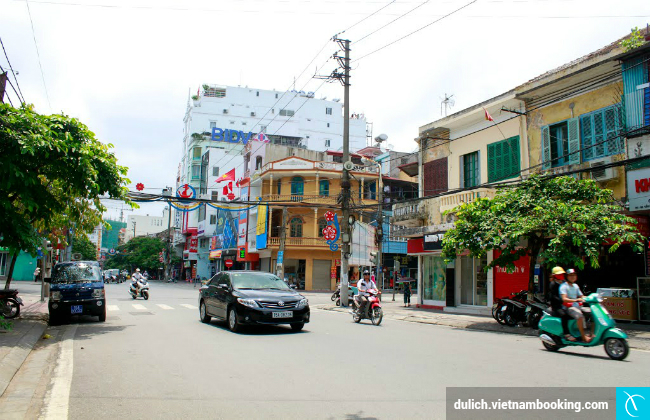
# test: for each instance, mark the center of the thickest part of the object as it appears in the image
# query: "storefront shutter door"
(546, 148)
(574, 141)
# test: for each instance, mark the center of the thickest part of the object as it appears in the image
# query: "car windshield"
(76, 273)
(257, 281)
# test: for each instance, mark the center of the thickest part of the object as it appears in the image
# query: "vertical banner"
(243, 220)
(262, 214)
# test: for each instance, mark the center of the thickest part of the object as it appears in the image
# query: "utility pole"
(344, 78)
(168, 257)
(380, 229)
(283, 238)
(3, 86)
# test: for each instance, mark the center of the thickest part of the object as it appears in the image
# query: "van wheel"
(54, 320)
(102, 316)
(298, 326)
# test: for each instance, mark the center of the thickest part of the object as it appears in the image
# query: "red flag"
(228, 176)
(488, 116)
(225, 190)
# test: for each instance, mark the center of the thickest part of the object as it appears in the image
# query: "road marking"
(57, 399)
(163, 306)
(112, 307)
(185, 305)
(140, 307)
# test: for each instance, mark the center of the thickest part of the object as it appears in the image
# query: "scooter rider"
(557, 307)
(364, 286)
(571, 295)
(137, 278)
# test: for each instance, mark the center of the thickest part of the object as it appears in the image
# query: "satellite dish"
(389, 147)
(348, 165)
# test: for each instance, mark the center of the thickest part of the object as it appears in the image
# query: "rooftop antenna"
(447, 103)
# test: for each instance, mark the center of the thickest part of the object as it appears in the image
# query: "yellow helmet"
(558, 270)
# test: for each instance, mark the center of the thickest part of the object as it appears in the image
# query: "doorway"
(473, 281)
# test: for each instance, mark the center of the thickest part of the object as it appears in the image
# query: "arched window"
(258, 162)
(321, 225)
(297, 185)
(324, 187)
(296, 227)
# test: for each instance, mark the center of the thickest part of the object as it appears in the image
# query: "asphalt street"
(155, 359)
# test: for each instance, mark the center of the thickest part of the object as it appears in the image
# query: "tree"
(562, 220)
(53, 173)
(83, 246)
(140, 252)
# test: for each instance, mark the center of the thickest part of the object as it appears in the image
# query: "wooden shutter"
(515, 157)
(435, 176)
(611, 131)
(574, 141)
(492, 162)
(546, 148)
(587, 136)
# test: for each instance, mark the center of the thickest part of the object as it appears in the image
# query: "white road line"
(139, 307)
(185, 305)
(112, 307)
(57, 399)
(163, 306)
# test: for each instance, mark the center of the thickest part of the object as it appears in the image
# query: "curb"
(644, 343)
(12, 362)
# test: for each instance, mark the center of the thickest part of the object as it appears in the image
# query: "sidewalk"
(17, 343)
(639, 335)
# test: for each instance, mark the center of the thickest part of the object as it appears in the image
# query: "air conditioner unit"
(602, 174)
(225, 111)
(252, 114)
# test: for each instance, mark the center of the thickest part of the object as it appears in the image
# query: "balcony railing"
(310, 165)
(308, 199)
(449, 202)
(298, 242)
(409, 213)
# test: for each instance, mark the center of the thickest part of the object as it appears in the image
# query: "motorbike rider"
(136, 278)
(364, 286)
(557, 303)
(571, 295)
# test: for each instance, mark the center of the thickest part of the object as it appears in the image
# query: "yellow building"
(307, 189)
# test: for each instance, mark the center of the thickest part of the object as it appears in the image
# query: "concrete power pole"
(168, 257)
(283, 239)
(345, 179)
(380, 230)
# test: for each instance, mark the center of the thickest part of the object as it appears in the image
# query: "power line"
(12, 72)
(367, 17)
(392, 21)
(38, 54)
(417, 30)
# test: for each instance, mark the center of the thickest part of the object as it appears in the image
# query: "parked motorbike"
(337, 295)
(513, 309)
(10, 303)
(142, 289)
(373, 310)
(535, 311)
(605, 332)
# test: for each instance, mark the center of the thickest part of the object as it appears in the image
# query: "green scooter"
(605, 331)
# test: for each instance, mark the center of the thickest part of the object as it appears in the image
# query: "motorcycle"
(605, 332)
(10, 303)
(373, 310)
(535, 311)
(337, 295)
(512, 310)
(142, 290)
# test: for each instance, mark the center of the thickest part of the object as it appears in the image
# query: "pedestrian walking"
(37, 274)
(407, 293)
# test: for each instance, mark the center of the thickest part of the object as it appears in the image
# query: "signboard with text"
(638, 189)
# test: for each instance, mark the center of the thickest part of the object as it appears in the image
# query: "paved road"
(154, 359)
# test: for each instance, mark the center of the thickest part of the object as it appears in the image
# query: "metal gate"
(320, 278)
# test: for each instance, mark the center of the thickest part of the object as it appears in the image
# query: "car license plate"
(282, 314)
(77, 309)
(503, 308)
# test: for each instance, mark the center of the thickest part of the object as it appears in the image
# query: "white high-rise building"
(218, 123)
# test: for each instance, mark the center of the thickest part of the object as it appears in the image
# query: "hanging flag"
(487, 115)
(228, 176)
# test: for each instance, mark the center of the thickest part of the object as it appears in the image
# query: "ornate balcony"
(411, 214)
(299, 242)
(307, 199)
(448, 202)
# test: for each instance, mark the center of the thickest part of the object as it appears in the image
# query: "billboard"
(262, 226)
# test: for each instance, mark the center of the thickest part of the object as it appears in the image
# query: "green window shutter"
(587, 136)
(515, 157)
(492, 162)
(574, 141)
(546, 148)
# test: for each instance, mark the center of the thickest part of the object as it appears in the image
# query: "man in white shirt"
(571, 295)
(364, 286)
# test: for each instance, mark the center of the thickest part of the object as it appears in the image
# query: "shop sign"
(647, 256)
(433, 241)
(215, 254)
(333, 272)
(261, 231)
(621, 308)
(194, 244)
(201, 228)
(337, 262)
(638, 189)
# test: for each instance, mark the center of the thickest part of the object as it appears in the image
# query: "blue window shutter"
(587, 136)
(546, 148)
(611, 130)
(574, 141)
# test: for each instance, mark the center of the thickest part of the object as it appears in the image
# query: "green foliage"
(53, 172)
(5, 325)
(563, 220)
(206, 87)
(195, 97)
(86, 248)
(634, 41)
(140, 252)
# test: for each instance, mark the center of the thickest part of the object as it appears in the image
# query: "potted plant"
(206, 87)
(195, 98)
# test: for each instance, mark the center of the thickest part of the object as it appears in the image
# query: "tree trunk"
(14, 257)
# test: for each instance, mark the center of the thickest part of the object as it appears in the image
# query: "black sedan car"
(252, 297)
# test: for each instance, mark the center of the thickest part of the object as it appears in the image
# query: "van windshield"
(76, 273)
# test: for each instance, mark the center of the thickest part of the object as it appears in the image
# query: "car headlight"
(303, 302)
(251, 303)
(55, 295)
(98, 293)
